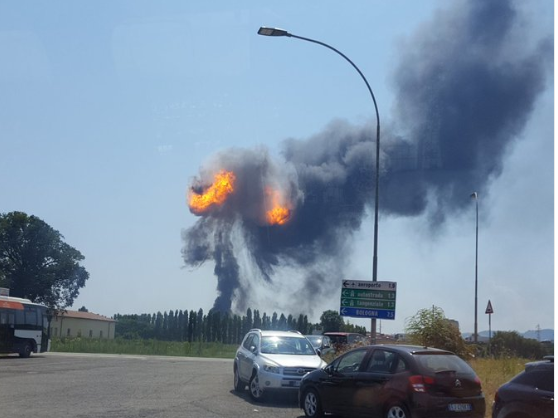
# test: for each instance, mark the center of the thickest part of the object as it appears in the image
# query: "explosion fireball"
(216, 194)
(279, 214)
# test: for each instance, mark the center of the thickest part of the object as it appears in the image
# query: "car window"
(536, 379)
(437, 363)
(350, 362)
(356, 338)
(255, 341)
(248, 341)
(400, 365)
(338, 339)
(381, 361)
(315, 340)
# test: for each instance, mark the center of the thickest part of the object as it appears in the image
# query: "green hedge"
(143, 347)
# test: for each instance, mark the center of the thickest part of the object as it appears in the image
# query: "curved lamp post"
(265, 31)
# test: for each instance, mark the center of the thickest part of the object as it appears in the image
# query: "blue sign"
(367, 313)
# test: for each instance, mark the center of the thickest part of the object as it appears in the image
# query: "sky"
(110, 112)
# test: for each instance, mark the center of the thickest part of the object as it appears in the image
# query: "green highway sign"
(362, 284)
(367, 294)
(366, 303)
(365, 299)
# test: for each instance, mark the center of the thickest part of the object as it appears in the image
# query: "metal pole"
(489, 334)
(377, 180)
(476, 264)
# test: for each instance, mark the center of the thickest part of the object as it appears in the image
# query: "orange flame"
(279, 214)
(216, 194)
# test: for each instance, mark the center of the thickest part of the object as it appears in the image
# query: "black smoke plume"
(465, 88)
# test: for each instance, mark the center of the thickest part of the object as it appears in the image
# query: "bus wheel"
(26, 351)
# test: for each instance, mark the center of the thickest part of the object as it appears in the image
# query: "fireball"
(278, 212)
(215, 195)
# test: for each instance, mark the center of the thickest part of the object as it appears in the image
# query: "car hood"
(290, 360)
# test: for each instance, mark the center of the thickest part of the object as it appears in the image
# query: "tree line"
(430, 327)
(215, 326)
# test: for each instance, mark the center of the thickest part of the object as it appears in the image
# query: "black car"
(320, 342)
(394, 381)
(530, 394)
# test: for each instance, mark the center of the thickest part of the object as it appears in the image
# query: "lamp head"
(265, 31)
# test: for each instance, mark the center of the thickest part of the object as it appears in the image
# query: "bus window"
(31, 316)
(19, 318)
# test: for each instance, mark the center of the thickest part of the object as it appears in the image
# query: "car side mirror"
(319, 352)
(254, 349)
(329, 369)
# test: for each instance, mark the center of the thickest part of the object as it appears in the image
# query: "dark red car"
(341, 340)
(394, 381)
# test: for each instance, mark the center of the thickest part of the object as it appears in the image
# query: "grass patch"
(495, 372)
(143, 347)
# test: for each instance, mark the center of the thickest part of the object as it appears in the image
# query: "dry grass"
(495, 372)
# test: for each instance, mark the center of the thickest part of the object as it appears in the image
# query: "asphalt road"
(119, 386)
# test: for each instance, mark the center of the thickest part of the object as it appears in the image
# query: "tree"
(510, 343)
(282, 324)
(35, 262)
(430, 328)
(83, 309)
(331, 321)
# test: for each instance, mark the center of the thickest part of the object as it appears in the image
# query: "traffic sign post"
(489, 311)
(364, 299)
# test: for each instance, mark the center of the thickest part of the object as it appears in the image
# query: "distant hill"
(545, 334)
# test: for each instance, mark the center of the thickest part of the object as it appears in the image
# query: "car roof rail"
(295, 331)
(549, 358)
(254, 329)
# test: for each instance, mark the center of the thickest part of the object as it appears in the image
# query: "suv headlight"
(271, 369)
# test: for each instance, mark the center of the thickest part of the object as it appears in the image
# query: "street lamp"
(265, 31)
(475, 196)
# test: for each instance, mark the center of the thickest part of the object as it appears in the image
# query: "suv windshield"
(286, 345)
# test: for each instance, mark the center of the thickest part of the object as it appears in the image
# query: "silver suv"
(271, 360)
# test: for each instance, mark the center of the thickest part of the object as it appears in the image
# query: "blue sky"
(109, 110)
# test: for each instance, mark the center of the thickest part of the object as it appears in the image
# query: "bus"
(23, 327)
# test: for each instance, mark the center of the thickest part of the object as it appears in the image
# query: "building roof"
(85, 315)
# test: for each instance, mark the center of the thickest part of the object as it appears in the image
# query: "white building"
(81, 324)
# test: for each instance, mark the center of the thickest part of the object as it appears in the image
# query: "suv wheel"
(256, 391)
(238, 384)
(312, 405)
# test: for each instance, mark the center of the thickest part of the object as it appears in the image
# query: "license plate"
(460, 407)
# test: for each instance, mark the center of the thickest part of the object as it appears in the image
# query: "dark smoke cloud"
(464, 91)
